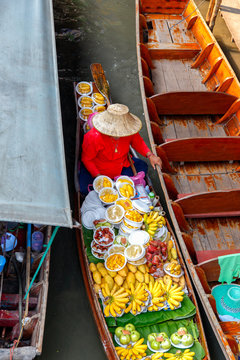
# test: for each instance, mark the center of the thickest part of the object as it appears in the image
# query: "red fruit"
(151, 249)
(148, 256)
(156, 260)
(152, 270)
(154, 243)
(123, 241)
(126, 332)
(160, 338)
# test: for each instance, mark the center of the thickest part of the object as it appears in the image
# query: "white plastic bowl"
(131, 248)
(110, 190)
(133, 223)
(131, 227)
(95, 108)
(111, 214)
(95, 101)
(84, 82)
(140, 206)
(139, 237)
(119, 186)
(116, 249)
(123, 177)
(99, 179)
(81, 98)
(102, 242)
(82, 117)
(118, 269)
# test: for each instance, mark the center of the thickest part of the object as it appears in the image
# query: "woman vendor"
(105, 147)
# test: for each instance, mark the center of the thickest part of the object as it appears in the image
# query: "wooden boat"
(23, 342)
(33, 179)
(84, 236)
(191, 103)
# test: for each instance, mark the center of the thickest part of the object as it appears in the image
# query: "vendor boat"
(191, 104)
(33, 181)
(101, 287)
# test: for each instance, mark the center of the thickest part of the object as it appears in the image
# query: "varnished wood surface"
(209, 70)
(193, 103)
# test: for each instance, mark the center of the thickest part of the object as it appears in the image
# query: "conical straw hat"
(117, 121)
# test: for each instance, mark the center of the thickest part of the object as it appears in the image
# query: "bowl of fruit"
(126, 190)
(127, 335)
(99, 99)
(134, 252)
(124, 179)
(125, 203)
(85, 112)
(99, 108)
(101, 182)
(121, 240)
(85, 101)
(115, 262)
(115, 213)
(104, 236)
(182, 339)
(108, 195)
(158, 342)
(84, 88)
(133, 218)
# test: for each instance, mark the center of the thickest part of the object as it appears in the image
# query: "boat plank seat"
(173, 50)
(211, 204)
(10, 318)
(193, 102)
(206, 255)
(202, 149)
(157, 7)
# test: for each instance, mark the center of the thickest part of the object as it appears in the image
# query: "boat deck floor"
(176, 74)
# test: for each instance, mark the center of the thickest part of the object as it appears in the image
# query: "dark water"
(86, 32)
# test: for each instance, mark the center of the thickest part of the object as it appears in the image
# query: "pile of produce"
(136, 272)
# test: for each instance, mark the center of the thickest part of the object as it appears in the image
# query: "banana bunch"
(115, 300)
(158, 298)
(99, 98)
(137, 351)
(153, 221)
(186, 355)
(138, 295)
(174, 268)
(157, 355)
(86, 101)
(174, 294)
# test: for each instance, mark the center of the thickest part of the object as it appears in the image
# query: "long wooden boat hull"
(105, 336)
(191, 103)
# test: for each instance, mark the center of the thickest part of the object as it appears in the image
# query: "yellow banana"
(106, 310)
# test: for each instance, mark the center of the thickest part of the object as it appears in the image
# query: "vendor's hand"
(155, 160)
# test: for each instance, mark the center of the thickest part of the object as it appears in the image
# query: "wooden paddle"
(100, 81)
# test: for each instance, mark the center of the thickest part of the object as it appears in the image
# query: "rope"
(42, 259)
(12, 349)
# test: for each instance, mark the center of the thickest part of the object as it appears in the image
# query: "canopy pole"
(42, 259)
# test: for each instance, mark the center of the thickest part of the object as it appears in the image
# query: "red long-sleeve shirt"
(102, 154)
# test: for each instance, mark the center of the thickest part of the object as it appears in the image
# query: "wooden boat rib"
(191, 103)
(105, 335)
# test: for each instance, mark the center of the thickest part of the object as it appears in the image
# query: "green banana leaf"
(154, 317)
(88, 236)
(169, 328)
